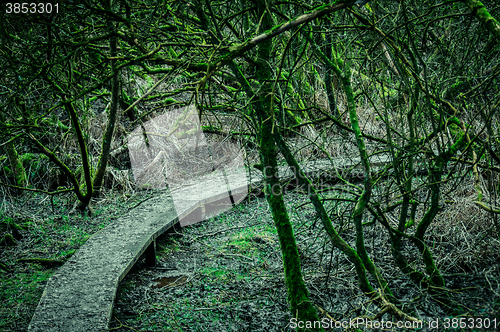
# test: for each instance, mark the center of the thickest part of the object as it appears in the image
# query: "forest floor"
(226, 273)
(48, 231)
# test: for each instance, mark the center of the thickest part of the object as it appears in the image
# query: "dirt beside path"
(226, 274)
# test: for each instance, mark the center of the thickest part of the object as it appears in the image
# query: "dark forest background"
(417, 83)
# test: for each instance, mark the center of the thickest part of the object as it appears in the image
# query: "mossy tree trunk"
(484, 16)
(298, 297)
(16, 165)
(113, 108)
(329, 86)
(335, 238)
(264, 121)
(84, 198)
(343, 73)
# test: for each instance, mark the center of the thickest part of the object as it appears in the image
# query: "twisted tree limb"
(484, 16)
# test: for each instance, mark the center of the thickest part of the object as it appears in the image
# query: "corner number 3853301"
(31, 8)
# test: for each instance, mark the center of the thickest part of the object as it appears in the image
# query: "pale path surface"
(81, 294)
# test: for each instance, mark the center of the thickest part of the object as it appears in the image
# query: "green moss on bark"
(484, 16)
(17, 166)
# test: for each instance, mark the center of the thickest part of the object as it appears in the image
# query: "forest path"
(81, 294)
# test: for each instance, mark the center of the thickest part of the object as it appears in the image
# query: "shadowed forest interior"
(398, 101)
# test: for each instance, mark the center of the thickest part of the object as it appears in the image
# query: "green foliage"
(38, 166)
(424, 70)
(8, 240)
(21, 289)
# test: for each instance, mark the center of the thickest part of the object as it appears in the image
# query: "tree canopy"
(417, 83)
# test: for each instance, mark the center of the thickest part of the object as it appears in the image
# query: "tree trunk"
(298, 296)
(16, 165)
(108, 135)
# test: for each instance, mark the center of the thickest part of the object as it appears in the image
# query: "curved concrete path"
(80, 295)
